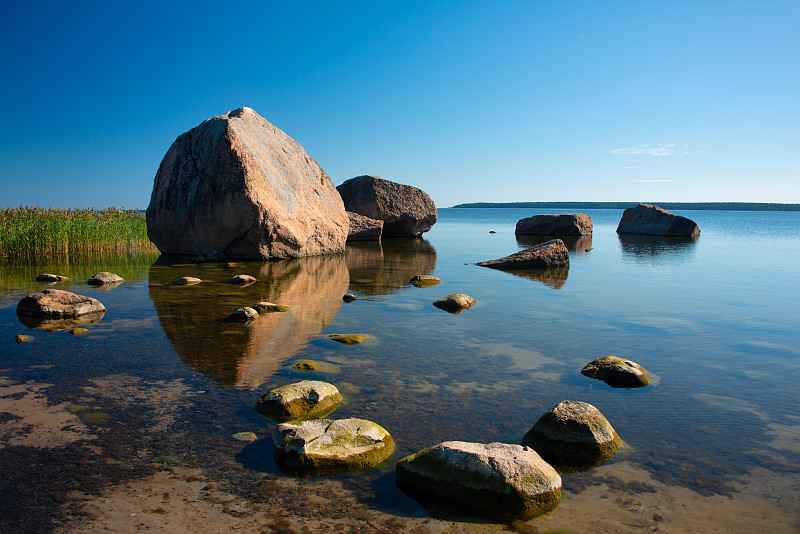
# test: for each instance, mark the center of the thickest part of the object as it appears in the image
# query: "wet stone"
(269, 307)
(348, 339)
(424, 280)
(455, 303)
(306, 365)
(78, 331)
(105, 277)
(242, 315)
(348, 297)
(20, 338)
(47, 277)
(617, 372)
(302, 400)
(186, 281)
(242, 279)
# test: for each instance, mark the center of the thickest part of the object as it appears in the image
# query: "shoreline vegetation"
(721, 206)
(37, 235)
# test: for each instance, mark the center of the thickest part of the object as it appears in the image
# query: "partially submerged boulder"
(238, 185)
(363, 228)
(497, 480)
(574, 224)
(326, 446)
(349, 297)
(302, 400)
(186, 281)
(424, 280)
(573, 434)
(243, 315)
(270, 307)
(455, 303)
(348, 339)
(617, 372)
(58, 304)
(550, 254)
(242, 280)
(105, 277)
(652, 220)
(48, 277)
(405, 210)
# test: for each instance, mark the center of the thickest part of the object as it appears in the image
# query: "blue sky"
(470, 101)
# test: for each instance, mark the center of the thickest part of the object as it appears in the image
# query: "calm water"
(714, 321)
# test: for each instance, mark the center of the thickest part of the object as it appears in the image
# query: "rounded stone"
(307, 399)
(348, 297)
(348, 339)
(497, 480)
(186, 281)
(47, 277)
(573, 434)
(424, 280)
(326, 446)
(242, 279)
(56, 303)
(306, 365)
(455, 303)
(243, 315)
(617, 372)
(105, 277)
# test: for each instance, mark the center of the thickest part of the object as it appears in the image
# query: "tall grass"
(37, 235)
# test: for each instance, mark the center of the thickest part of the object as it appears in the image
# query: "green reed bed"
(35, 235)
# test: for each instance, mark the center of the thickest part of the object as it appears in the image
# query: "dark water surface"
(716, 321)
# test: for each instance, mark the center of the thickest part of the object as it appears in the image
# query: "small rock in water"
(245, 436)
(269, 307)
(349, 297)
(617, 372)
(242, 279)
(301, 400)
(105, 277)
(19, 338)
(492, 232)
(306, 365)
(47, 277)
(243, 315)
(348, 339)
(186, 281)
(78, 331)
(424, 280)
(455, 303)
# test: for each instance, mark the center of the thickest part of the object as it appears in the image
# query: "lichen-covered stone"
(573, 434)
(617, 372)
(57, 303)
(302, 400)
(326, 446)
(242, 315)
(269, 307)
(424, 280)
(455, 303)
(105, 277)
(497, 480)
(242, 279)
(555, 224)
(47, 277)
(652, 220)
(348, 339)
(547, 255)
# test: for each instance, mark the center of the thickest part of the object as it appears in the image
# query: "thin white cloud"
(660, 149)
(649, 181)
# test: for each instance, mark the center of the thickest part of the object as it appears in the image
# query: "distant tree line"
(725, 206)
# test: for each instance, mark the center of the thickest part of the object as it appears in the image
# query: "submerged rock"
(496, 480)
(573, 434)
(58, 304)
(424, 280)
(239, 185)
(348, 339)
(455, 303)
(363, 228)
(617, 372)
(405, 210)
(47, 277)
(244, 436)
(302, 400)
(306, 365)
(78, 331)
(105, 277)
(650, 219)
(557, 224)
(269, 307)
(547, 255)
(20, 338)
(328, 445)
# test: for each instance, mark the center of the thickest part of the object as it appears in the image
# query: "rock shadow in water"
(656, 249)
(386, 267)
(52, 324)
(582, 243)
(244, 355)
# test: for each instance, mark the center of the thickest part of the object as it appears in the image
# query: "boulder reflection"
(245, 355)
(582, 243)
(655, 249)
(555, 278)
(384, 268)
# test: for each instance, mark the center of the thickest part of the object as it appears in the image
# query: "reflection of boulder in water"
(387, 267)
(555, 278)
(53, 324)
(240, 355)
(651, 248)
(582, 243)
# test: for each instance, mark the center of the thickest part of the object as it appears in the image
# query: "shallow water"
(714, 321)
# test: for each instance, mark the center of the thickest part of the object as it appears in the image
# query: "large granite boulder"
(405, 210)
(303, 400)
(326, 446)
(363, 228)
(56, 303)
(497, 480)
(650, 219)
(547, 255)
(617, 372)
(558, 224)
(239, 186)
(573, 434)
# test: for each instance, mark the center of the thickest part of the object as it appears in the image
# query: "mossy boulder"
(497, 480)
(574, 435)
(617, 372)
(424, 280)
(307, 399)
(327, 446)
(105, 277)
(243, 315)
(455, 303)
(306, 365)
(242, 280)
(348, 339)
(269, 307)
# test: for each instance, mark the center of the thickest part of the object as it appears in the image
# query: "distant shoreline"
(722, 206)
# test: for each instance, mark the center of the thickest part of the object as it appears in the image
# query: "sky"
(495, 101)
